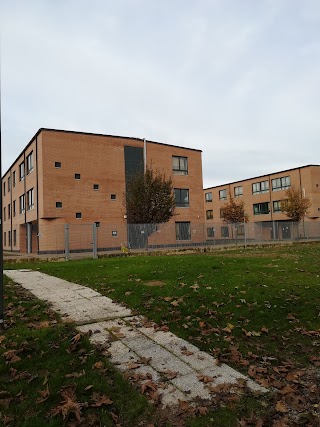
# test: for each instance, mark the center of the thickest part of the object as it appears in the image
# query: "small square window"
(57, 165)
(77, 176)
(58, 204)
(114, 233)
(78, 215)
(113, 196)
(97, 223)
(96, 186)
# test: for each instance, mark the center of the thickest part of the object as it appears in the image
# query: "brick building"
(76, 178)
(262, 197)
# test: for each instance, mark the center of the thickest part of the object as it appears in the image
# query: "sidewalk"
(145, 353)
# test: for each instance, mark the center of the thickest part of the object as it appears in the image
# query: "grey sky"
(238, 79)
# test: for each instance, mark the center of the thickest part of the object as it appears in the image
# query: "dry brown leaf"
(98, 365)
(281, 407)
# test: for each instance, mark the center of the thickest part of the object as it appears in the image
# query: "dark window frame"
(180, 201)
(183, 230)
(181, 166)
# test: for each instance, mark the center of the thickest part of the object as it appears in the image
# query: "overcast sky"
(238, 79)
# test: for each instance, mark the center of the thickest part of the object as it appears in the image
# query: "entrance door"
(286, 231)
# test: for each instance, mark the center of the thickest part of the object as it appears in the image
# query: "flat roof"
(260, 176)
(94, 134)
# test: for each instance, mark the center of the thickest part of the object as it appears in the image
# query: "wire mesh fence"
(74, 240)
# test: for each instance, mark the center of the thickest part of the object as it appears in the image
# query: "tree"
(149, 198)
(295, 206)
(234, 212)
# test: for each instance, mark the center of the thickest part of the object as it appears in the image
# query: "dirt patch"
(154, 283)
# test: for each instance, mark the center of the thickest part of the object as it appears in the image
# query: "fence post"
(94, 241)
(66, 241)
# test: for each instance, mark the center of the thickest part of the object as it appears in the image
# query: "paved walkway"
(155, 359)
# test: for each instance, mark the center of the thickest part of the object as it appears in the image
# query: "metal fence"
(74, 240)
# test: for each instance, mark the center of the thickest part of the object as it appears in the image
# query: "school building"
(66, 179)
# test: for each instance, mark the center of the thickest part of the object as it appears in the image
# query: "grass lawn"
(257, 310)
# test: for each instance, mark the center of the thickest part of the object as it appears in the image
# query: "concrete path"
(157, 360)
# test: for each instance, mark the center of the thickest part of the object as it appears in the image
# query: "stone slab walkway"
(155, 359)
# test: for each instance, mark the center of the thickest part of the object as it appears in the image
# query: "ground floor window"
(210, 232)
(183, 231)
(225, 231)
(14, 237)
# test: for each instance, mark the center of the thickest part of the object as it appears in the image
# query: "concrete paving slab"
(135, 345)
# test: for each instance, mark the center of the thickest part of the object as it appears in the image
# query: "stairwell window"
(179, 165)
(30, 199)
(181, 196)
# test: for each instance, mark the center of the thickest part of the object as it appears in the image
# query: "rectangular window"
(4, 188)
(30, 162)
(57, 165)
(14, 237)
(277, 206)
(209, 214)
(240, 229)
(77, 176)
(9, 238)
(4, 214)
(5, 239)
(238, 191)
(14, 178)
(14, 208)
(59, 205)
(181, 196)
(223, 194)
(78, 215)
(21, 171)
(97, 223)
(221, 212)
(180, 165)
(260, 187)
(282, 183)
(113, 196)
(30, 199)
(261, 208)
(9, 211)
(183, 231)
(96, 186)
(225, 231)
(114, 233)
(208, 197)
(22, 204)
(210, 232)
(9, 183)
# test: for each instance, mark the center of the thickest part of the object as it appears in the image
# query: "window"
(97, 223)
(21, 171)
(4, 214)
(22, 204)
(209, 214)
(260, 187)
(280, 183)
(240, 229)
(77, 176)
(114, 233)
(113, 196)
(14, 178)
(14, 211)
(9, 211)
(78, 215)
(223, 194)
(180, 165)
(4, 188)
(277, 206)
(238, 192)
(59, 205)
(181, 196)
(14, 237)
(57, 165)
(210, 232)
(208, 197)
(183, 231)
(5, 239)
(221, 212)
(30, 199)
(9, 183)
(261, 208)
(30, 162)
(225, 231)
(9, 238)
(96, 186)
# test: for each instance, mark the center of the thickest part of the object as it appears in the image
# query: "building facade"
(262, 198)
(75, 178)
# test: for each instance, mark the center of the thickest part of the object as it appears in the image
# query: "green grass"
(258, 310)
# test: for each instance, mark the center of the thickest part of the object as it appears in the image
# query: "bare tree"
(295, 206)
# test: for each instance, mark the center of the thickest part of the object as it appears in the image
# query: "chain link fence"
(75, 240)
